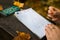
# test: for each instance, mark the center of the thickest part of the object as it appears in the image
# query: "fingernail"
(54, 19)
(49, 15)
(49, 11)
(50, 7)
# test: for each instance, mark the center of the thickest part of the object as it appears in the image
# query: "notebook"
(33, 21)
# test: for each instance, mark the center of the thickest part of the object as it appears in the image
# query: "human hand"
(54, 14)
(52, 32)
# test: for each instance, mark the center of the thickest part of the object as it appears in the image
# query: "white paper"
(33, 21)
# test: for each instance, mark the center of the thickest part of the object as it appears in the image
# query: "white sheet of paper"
(33, 21)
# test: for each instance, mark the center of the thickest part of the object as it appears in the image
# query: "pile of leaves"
(22, 36)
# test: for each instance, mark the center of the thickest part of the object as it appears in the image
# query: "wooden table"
(12, 24)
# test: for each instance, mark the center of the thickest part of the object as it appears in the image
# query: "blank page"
(33, 21)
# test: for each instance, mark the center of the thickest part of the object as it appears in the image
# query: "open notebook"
(33, 21)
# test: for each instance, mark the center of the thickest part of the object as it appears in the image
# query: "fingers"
(51, 13)
(52, 9)
(54, 19)
(52, 27)
(48, 33)
(52, 32)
